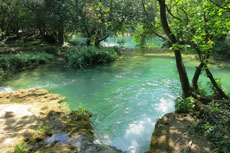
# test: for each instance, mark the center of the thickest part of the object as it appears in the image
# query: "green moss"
(32, 96)
(20, 148)
(41, 130)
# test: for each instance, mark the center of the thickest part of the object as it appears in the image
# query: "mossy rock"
(30, 96)
(4, 101)
(6, 95)
(63, 148)
(98, 148)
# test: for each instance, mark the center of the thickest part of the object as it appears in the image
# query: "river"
(126, 97)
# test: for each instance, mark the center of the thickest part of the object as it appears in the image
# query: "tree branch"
(169, 11)
(148, 16)
(218, 5)
(197, 75)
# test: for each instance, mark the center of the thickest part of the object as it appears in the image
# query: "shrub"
(52, 50)
(89, 56)
(20, 148)
(12, 63)
(121, 43)
(184, 105)
(1, 72)
(216, 130)
(42, 129)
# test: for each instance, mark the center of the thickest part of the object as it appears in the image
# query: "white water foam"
(109, 44)
(6, 89)
(136, 133)
(165, 105)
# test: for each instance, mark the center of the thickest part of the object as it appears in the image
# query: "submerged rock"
(59, 138)
(70, 133)
(98, 148)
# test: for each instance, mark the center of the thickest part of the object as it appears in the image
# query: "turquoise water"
(126, 97)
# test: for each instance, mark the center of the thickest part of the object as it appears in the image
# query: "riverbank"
(68, 84)
(205, 129)
(35, 120)
(175, 133)
(16, 57)
(165, 52)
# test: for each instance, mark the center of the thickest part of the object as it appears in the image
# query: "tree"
(148, 25)
(52, 18)
(100, 19)
(193, 25)
(179, 62)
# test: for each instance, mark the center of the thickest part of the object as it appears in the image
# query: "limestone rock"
(173, 133)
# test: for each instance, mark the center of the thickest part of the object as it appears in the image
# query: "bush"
(1, 72)
(89, 56)
(20, 148)
(121, 43)
(216, 131)
(52, 50)
(12, 63)
(184, 105)
(42, 129)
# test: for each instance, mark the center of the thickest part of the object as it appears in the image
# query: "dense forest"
(35, 32)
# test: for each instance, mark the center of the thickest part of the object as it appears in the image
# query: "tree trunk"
(97, 43)
(208, 72)
(179, 62)
(41, 27)
(88, 42)
(196, 76)
(214, 83)
(61, 38)
(99, 40)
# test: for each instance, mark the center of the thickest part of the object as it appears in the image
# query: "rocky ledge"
(174, 133)
(35, 120)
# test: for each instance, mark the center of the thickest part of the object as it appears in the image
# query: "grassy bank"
(16, 62)
(15, 59)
